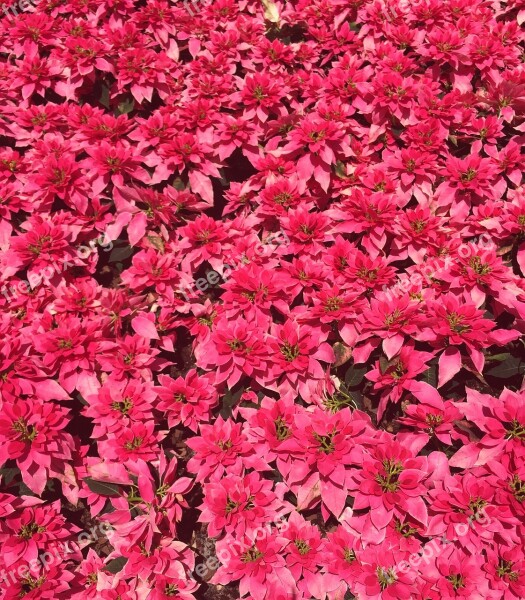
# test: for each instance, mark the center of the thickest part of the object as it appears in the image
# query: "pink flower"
(241, 504)
(32, 433)
(258, 564)
(187, 401)
(392, 481)
(501, 420)
(237, 349)
(138, 441)
(379, 578)
(222, 447)
(297, 350)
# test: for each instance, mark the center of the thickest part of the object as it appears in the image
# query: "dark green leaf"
(508, 368)
(104, 96)
(354, 375)
(120, 254)
(430, 376)
(126, 107)
(116, 565)
(384, 364)
(498, 357)
(8, 474)
(229, 400)
(102, 488)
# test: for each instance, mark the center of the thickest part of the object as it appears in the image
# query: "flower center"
(28, 531)
(123, 406)
(388, 481)
(282, 431)
(479, 267)
(289, 352)
(251, 555)
(302, 547)
(517, 486)
(385, 576)
(326, 442)
(504, 569)
(515, 431)
(468, 175)
(455, 322)
(27, 432)
(457, 581)
(134, 444)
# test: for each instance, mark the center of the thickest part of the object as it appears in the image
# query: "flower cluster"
(313, 413)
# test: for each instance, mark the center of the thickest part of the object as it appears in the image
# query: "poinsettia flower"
(222, 447)
(391, 481)
(502, 421)
(241, 504)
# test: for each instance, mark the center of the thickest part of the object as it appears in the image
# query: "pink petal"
(145, 327)
(449, 365)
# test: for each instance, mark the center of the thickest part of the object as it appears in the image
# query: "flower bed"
(262, 300)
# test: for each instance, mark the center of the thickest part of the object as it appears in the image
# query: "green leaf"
(126, 107)
(342, 352)
(340, 170)
(120, 254)
(104, 96)
(507, 368)
(8, 474)
(229, 400)
(385, 364)
(354, 376)
(430, 376)
(157, 242)
(179, 185)
(23, 490)
(116, 565)
(498, 357)
(102, 488)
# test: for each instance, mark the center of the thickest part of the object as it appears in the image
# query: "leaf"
(503, 250)
(179, 185)
(343, 354)
(509, 367)
(498, 357)
(157, 242)
(116, 565)
(357, 399)
(340, 170)
(430, 376)
(104, 96)
(354, 375)
(120, 254)
(471, 369)
(8, 474)
(23, 490)
(126, 107)
(385, 364)
(229, 400)
(102, 488)
(82, 400)
(271, 12)
(145, 327)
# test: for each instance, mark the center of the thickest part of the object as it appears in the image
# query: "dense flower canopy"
(262, 300)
